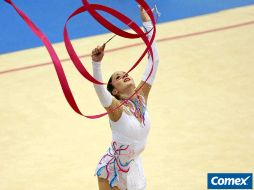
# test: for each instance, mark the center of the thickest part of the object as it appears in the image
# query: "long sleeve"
(104, 96)
(148, 26)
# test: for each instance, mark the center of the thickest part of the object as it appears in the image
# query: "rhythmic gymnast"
(120, 168)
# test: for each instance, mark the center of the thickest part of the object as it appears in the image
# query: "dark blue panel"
(50, 16)
(229, 181)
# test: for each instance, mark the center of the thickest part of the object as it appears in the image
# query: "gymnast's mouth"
(126, 79)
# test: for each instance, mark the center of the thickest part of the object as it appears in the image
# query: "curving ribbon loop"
(92, 9)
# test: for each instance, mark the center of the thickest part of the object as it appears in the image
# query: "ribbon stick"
(74, 57)
(110, 39)
(157, 11)
(92, 9)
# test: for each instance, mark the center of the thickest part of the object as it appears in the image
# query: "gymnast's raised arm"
(148, 84)
(106, 99)
(121, 86)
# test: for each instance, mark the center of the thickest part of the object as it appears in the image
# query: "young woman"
(120, 168)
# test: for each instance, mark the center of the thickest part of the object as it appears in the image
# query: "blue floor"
(50, 16)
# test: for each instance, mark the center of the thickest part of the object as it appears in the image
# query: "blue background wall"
(50, 16)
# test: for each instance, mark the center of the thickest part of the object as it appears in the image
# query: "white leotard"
(121, 164)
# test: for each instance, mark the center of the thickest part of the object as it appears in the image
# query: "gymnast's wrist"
(148, 24)
(96, 64)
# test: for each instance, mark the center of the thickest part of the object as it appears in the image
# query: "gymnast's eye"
(118, 77)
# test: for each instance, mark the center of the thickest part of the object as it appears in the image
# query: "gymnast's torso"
(121, 164)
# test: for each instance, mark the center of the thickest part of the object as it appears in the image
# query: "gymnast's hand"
(98, 53)
(144, 16)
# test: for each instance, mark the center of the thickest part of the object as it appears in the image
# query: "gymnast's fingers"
(93, 52)
(103, 47)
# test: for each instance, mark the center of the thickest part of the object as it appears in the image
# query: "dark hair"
(110, 87)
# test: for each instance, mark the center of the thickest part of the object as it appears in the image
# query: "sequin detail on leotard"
(135, 107)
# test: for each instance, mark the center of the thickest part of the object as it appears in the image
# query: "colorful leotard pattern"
(121, 164)
(136, 109)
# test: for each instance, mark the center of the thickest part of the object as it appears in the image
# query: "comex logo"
(229, 181)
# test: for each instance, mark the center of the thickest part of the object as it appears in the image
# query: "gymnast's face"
(121, 82)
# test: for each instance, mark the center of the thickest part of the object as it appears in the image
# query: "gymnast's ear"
(114, 92)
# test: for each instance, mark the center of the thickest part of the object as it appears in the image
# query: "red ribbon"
(91, 8)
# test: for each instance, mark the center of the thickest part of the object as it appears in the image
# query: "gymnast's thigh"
(104, 185)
